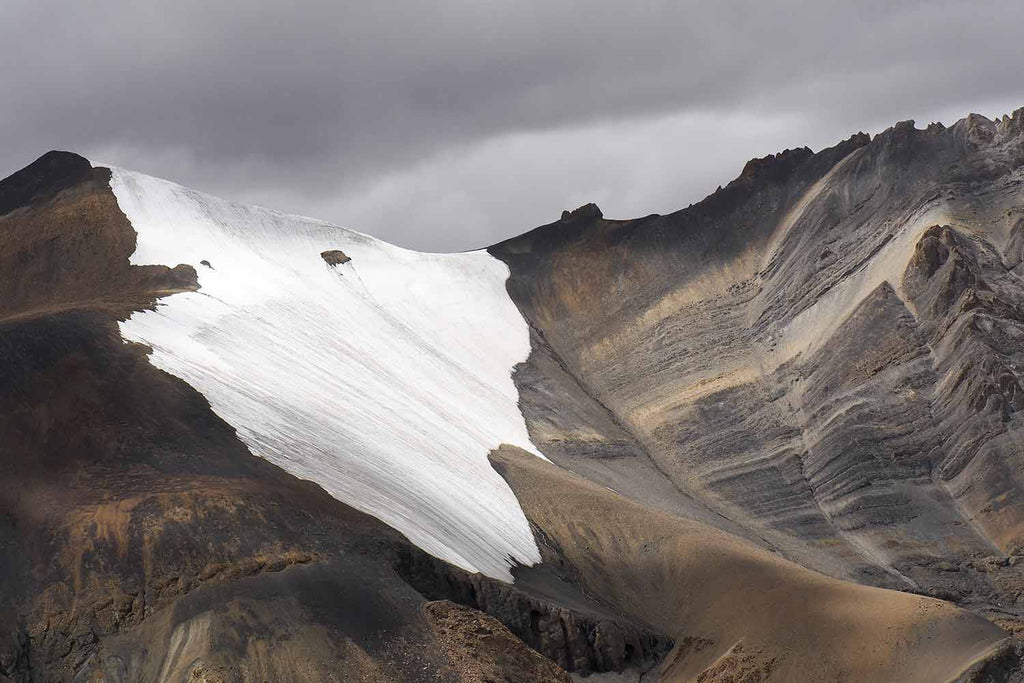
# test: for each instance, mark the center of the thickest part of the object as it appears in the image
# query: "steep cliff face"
(821, 357)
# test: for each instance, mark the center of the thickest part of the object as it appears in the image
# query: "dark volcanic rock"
(74, 253)
(137, 512)
(1003, 664)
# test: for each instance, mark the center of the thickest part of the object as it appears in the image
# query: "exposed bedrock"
(335, 257)
(43, 179)
(66, 244)
(822, 357)
(546, 611)
(144, 542)
(483, 649)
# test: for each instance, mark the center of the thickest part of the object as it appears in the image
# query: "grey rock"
(822, 357)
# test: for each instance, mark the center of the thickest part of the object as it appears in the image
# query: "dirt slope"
(735, 611)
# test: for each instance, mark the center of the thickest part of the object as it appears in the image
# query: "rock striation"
(822, 357)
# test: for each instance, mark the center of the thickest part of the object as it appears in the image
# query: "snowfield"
(386, 379)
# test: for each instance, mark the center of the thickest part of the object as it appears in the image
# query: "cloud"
(445, 125)
(513, 182)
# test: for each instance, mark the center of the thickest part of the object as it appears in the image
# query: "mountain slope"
(809, 355)
(737, 612)
(141, 539)
(353, 365)
(242, 445)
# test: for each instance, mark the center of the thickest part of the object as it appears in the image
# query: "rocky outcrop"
(141, 520)
(334, 257)
(587, 212)
(485, 649)
(547, 612)
(806, 358)
(1001, 664)
(43, 179)
(68, 247)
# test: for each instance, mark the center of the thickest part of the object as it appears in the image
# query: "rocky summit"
(775, 436)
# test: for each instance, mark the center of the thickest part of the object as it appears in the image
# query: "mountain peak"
(774, 165)
(43, 178)
(589, 211)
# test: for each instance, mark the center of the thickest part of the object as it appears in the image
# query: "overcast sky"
(450, 125)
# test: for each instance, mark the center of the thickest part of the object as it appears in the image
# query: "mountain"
(774, 436)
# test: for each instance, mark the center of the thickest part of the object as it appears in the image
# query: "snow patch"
(385, 379)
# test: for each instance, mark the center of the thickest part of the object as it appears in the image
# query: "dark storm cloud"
(332, 108)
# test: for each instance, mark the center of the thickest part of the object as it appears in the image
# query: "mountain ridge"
(891, 148)
(752, 415)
